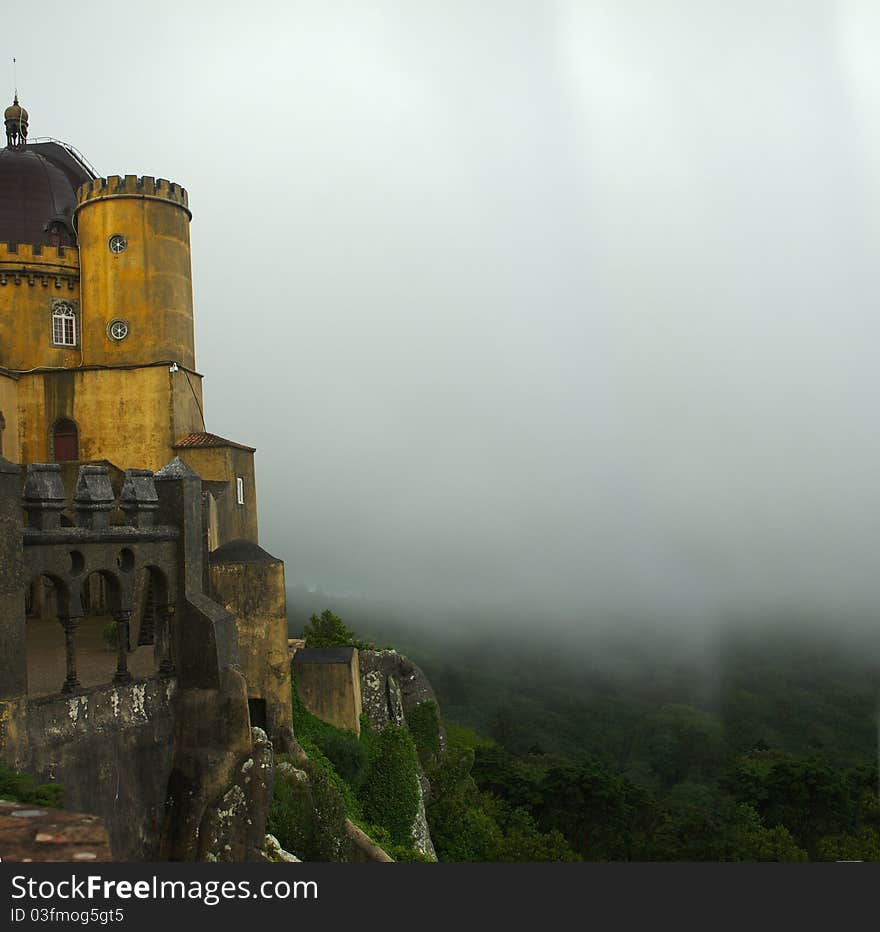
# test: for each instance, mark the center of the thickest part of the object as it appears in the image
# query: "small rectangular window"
(239, 489)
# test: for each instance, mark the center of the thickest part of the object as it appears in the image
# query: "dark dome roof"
(36, 189)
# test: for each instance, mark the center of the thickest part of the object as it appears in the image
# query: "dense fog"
(557, 307)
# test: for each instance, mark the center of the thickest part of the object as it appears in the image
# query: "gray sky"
(535, 303)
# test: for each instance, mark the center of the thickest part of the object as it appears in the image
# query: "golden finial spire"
(16, 118)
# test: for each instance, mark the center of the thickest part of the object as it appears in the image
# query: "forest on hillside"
(759, 745)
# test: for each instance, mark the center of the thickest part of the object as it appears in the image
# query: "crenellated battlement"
(132, 186)
(33, 264)
(18, 253)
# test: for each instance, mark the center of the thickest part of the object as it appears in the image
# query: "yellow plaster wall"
(255, 594)
(149, 284)
(224, 464)
(32, 279)
(123, 415)
(9, 410)
(188, 403)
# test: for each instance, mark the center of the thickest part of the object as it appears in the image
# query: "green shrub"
(20, 788)
(329, 630)
(390, 793)
(346, 753)
(308, 817)
(382, 838)
(424, 726)
(312, 734)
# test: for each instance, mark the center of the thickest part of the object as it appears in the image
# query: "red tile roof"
(203, 440)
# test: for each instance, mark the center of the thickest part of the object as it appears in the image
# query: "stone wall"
(249, 583)
(168, 762)
(111, 749)
(328, 682)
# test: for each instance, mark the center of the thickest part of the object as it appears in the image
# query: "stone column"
(122, 675)
(70, 623)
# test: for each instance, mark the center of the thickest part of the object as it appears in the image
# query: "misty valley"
(755, 742)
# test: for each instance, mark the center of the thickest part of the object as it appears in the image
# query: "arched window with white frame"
(64, 329)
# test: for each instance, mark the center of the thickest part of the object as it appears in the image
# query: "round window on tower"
(117, 329)
(117, 243)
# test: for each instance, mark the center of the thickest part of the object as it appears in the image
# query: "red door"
(66, 441)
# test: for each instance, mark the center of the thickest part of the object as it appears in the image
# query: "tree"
(806, 795)
(603, 816)
(680, 743)
(328, 630)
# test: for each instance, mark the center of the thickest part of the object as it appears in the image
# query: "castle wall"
(255, 594)
(112, 750)
(32, 280)
(148, 284)
(224, 464)
(330, 690)
(161, 759)
(125, 416)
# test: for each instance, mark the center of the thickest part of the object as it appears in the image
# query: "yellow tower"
(136, 279)
(97, 353)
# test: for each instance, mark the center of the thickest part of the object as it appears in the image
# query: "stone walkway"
(30, 833)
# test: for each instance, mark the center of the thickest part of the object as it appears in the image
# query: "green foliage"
(680, 742)
(468, 824)
(329, 630)
(808, 796)
(460, 736)
(639, 749)
(347, 755)
(313, 735)
(307, 816)
(20, 788)
(424, 726)
(535, 846)
(390, 793)
(861, 845)
(376, 775)
(463, 831)
(603, 815)
(382, 838)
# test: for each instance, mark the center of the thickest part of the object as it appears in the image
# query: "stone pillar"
(122, 674)
(70, 623)
(179, 492)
